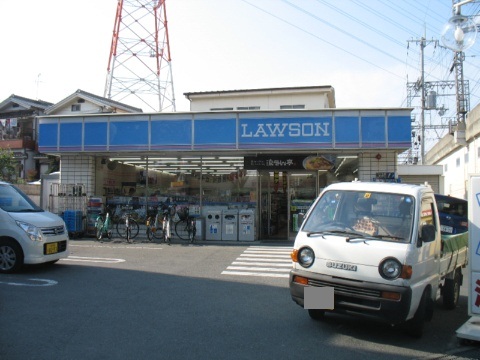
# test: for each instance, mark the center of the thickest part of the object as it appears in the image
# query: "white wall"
(265, 101)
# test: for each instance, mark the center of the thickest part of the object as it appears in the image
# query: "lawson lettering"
(260, 130)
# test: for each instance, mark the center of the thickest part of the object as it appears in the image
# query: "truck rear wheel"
(451, 291)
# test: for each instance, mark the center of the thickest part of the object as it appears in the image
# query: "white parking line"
(38, 282)
(93, 259)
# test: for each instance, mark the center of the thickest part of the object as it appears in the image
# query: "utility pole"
(432, 89)
(139, 66)
(420, 85)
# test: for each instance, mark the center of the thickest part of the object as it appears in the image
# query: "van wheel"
(11, 256)
(451, 291)
(316, 314)
(416, 324)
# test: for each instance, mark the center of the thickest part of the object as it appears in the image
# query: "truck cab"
(378, 246)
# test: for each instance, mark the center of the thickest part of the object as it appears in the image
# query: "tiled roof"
(24, 102)
(98, 100)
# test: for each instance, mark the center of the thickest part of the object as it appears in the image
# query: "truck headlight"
(390, 268)
(32, 231)
(306, 257)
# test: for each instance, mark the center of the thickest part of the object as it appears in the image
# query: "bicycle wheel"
(99, 228)
(134, 229)
(182, 230)
(152, 231)
(122, 228)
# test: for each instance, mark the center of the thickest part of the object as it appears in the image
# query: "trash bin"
(246, 225)
(213, 225)
(230, 225)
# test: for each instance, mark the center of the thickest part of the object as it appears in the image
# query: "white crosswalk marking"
(263, 261)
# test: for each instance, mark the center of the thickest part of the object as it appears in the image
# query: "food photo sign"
(296, 162)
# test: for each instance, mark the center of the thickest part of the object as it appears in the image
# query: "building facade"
(270, 162)
(459, 155)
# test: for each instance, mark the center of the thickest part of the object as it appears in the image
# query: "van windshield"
(12, 199)
(382, 216)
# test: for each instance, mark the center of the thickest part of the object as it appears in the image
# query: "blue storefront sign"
(328, 129)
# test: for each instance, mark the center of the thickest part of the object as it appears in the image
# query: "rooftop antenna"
(139, 66)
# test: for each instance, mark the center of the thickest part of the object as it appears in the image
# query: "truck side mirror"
(427, 234)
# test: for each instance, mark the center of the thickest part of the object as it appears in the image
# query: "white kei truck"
(375, 250)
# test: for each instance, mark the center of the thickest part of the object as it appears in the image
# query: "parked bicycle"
(103, 225)
(127, 227)
(168, 212)
(186, 228)
(154, 225)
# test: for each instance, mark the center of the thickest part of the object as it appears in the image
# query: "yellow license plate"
(51, 248)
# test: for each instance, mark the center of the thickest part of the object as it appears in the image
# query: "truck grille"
(342, 289)
(53, 231)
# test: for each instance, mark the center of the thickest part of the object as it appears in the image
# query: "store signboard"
(286, 162)
(308, 130)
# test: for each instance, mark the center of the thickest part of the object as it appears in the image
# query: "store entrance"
(274, 205)
(284, 199)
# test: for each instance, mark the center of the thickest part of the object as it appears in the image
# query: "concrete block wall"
(370, 163)
(78, 169)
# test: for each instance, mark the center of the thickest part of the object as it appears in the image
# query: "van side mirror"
(427, 234)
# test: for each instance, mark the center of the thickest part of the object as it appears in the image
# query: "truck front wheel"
(451, 291)
(316, 314)
(416, 324)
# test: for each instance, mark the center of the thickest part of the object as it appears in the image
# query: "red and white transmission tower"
(139, 66)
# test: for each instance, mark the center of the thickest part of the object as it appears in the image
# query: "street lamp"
(459, 33)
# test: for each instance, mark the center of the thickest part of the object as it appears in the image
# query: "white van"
(28, 234)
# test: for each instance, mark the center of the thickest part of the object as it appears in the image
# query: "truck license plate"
(447, 229)
(51, 248)
(318, 298)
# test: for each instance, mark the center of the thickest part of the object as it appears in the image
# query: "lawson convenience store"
(272, 163)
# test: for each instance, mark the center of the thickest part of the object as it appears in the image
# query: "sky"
(367, 50)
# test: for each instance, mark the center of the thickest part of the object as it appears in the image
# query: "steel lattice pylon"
(139, 66)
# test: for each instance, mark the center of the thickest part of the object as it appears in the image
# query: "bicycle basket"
(183, 213)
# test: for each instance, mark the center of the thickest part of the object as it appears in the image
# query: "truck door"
(428, 256)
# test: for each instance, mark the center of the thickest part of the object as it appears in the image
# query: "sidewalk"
(141, 238)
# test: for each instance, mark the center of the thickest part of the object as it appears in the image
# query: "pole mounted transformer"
(139, 71)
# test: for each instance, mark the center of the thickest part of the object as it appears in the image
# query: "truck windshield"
(383, 216)
(12, 199)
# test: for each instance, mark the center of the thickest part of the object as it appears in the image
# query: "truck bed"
(454, 252)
